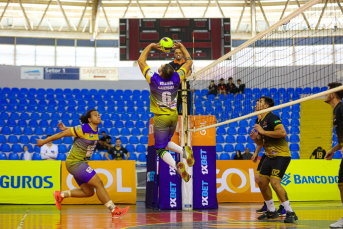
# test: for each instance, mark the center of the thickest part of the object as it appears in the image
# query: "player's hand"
(253, 134)
(156, 46)
(329, 155)
(254, 158)
(40, 142)
(61, 126)
(259, 129)
(176, 45)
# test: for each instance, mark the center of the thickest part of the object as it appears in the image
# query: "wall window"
(25, 54)
(304, 55)
(7, 54)
(45, 55)
(85, 57)
(107, 57)
(264, 56)
(284, 56)
(65, 56)
(339, 54)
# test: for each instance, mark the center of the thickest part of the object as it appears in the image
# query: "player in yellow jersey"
(86, 138)
(163, 100)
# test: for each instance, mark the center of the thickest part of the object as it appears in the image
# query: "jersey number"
(166, 97)
(275, 172)
(320, 155)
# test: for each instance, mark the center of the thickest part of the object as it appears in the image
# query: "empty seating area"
(28, 114)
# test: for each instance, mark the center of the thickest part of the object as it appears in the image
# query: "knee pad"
(161, 152)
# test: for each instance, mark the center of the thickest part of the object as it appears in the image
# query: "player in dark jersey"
(281, 210)
(318, 153)
(270, 133)
(335, 100)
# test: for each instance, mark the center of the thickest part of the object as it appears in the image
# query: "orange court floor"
(229, 215)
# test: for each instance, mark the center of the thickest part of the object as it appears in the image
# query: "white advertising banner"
(35, 73)
(99, 73)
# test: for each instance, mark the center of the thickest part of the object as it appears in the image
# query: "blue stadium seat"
(243, 123)
(3, 156)
(145, 132)
(221, 131)
(140, 110)
(295, 122)
(334, 138)
(65, 116)
(140, 149)
(11, 123)
(233, 124)
(62, 149)
(228, 148)
(307, 90)
(45, 116)
(13, 156)
(17, 131)
(61, 109)
(140, 104)
(131, 110)
(2, 108)
(3, 123)
(224, 156)
(284, 115)
(220, 139)
(273, 90)
(316, 90)
(24, 140)
(295, 155)
(10, 109)
(199, 111)
(140, 124)
(130, 148)
(125, 117)
(35, 116)
(145, 98)
(2, 139)
(14, 116)
(285, 122)
(324, 89)
(294, 147)
(241, 139)
(68, 140)
(41, 109)
(96, 156)
(118, 124)
(295, 108)
(337, 155)
(144, 140)
(120, 110)
(242, 131)
(38, 131)
(230, 139)
(108, 124)
(124, 140)
(239, 147)
(3, 102)
(49, 131)
(146, 92)
(61, 156)
(125, 132)
(12, 139)
(145, 117)
(36, 156)
(264, 91)
(133, 157)
(251, 147)
(114, 132)
(231, 131)
(295, 115)
(294, 138)
(5, 148)
(115, 117)
(59, 141)
(5, 131)
(24, 116)
(219, 148)
(16, 148)
(142, 157)
(286, 109)
(133, 140)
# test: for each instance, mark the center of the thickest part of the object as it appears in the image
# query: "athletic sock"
(167, 157)
(175, 148)
(110, 205)
(66, 194)
(287, 206)
(270, 205)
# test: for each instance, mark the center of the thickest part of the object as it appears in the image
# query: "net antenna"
(291, 61)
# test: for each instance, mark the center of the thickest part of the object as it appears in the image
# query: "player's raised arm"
(144, 55)
(186, 55)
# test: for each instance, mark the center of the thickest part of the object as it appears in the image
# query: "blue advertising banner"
(62, 73)
(204, 178)
(151, 194)
(169, 185)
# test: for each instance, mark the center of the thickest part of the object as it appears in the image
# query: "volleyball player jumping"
(86, 137)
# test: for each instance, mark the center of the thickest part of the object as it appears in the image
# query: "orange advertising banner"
(119, 178)
(200, 138)
(235, 182)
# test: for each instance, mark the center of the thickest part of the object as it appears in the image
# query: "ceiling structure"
(100, 18)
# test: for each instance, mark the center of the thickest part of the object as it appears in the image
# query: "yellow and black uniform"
(338, 124)
(319, 154)
(278, 155)
(260, 163)
(117, 154)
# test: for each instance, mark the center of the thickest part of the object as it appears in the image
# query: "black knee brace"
(161, 152)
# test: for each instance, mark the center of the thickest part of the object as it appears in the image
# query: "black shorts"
(340, 174)
(275, 167)
(260, 163)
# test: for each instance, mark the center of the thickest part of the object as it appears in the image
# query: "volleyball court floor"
(229, 215)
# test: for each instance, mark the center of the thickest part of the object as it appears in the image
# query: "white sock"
(66, 194)
(270, 205)
(287, 206)
(110, 205)
(167, 157)
(174, 147)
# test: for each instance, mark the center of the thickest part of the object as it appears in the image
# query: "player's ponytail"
(84, 118)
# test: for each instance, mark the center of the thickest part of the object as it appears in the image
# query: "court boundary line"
(23, 219)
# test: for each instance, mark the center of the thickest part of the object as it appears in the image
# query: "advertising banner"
(119, 178)
(99, 73)
(29, 182)
(61, 73)
(32, 73)
(304, 180)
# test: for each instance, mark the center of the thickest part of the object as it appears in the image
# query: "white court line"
(23, 219)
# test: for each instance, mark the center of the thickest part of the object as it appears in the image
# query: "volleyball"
(167, 44)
